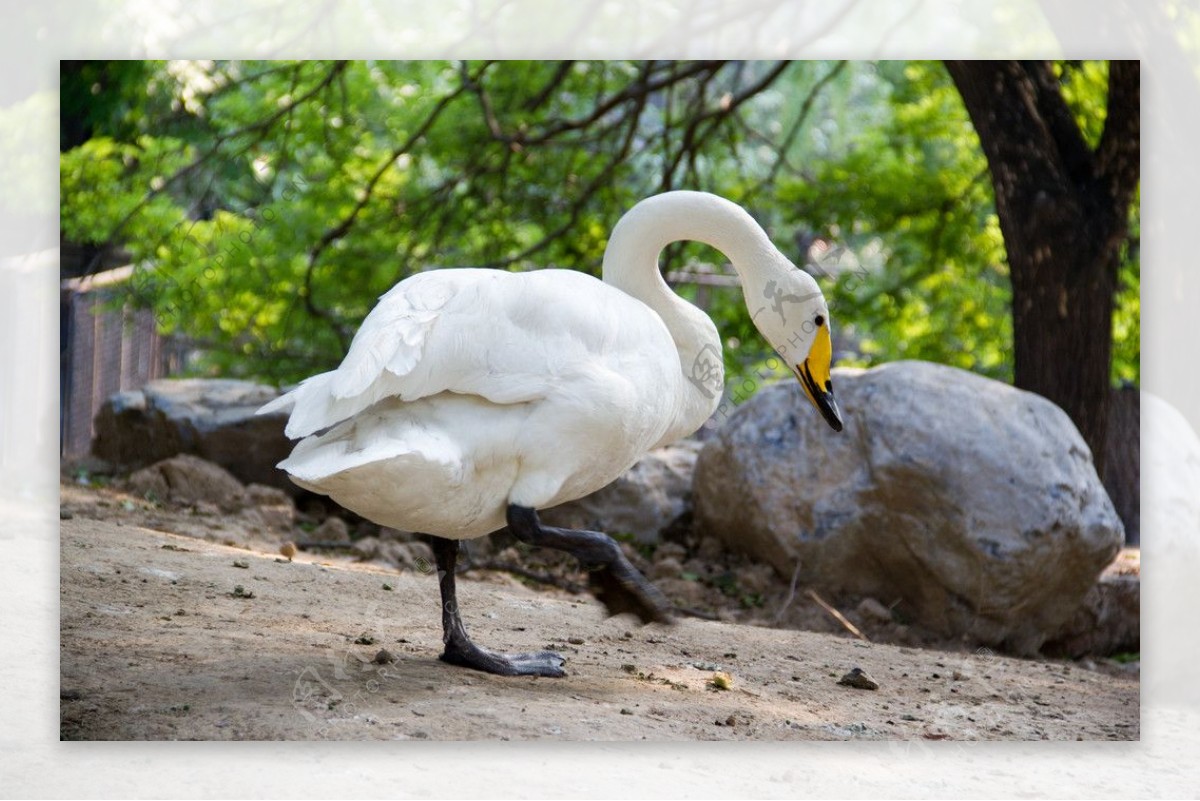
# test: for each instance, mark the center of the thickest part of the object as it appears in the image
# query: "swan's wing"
(388, 345)
(508, 338)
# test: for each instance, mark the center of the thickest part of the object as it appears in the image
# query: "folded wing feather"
(386, 349)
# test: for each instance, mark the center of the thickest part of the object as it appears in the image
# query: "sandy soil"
(166, 636)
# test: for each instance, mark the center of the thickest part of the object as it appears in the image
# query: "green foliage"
(921, 273)
(1127, 309)
(268, 204)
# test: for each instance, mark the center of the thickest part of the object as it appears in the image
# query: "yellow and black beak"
(814, 377)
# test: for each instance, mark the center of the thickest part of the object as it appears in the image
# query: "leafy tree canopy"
(270, 203)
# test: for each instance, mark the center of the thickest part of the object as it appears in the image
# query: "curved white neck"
(631, 265)
(631, 259)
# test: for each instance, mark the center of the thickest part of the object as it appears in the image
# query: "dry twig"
(850, 627)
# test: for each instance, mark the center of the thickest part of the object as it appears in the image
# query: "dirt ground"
(167, 633)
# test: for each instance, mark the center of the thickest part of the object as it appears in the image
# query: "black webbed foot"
(459, 648)
(537, 663)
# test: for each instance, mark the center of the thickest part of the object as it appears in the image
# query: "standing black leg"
(459, 648)
(615, 582)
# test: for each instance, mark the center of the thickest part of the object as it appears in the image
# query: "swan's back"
(506, 337)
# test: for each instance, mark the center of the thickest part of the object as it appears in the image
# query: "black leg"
(459, 648)
(615, 582)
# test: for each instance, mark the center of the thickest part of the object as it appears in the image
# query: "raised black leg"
(459, 648)
(615, 582)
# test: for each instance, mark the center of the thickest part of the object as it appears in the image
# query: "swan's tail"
(373, 437)
(313, 406)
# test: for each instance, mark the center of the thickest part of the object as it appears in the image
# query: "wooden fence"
(104, 348)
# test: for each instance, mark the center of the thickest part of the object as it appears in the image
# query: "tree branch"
(343, 227)
(1060, 124)
(1119, 153)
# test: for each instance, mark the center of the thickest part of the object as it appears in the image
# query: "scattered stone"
(626, 711)
(275, 518)
(575, 640)
(242, 563)
(65, 514)
(263, 495)
(288, 549)
(388, 587)
(721, 681)
(1107, 622)
(416, 556)
(241, 592)
(977, 493)
(332, 530)
(188, 479)
(858, 678)
(384, 657)
(872, 609)
(364, 639)
(666, 568)
(629, 668)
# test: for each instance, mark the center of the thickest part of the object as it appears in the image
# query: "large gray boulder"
(211, 418)
(642, 502)
(974, 505)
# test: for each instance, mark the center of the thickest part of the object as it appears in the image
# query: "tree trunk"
(1064, 213)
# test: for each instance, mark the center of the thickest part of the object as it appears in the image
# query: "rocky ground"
(185, 621)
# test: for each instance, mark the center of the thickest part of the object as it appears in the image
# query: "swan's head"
(790, 312)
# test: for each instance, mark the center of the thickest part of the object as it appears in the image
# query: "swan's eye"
(820, 321)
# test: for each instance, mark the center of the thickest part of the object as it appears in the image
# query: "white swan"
(471, 398)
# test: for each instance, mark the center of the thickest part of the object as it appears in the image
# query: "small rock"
(670, 550)
(710, 549)
(721, 681)
(384, 657)
(188, 479)
(859, 679)
(666, 568)
(626, 711)
(241, 592)
(288, 549)
(731, 721)
(364, 639)
(65, 514)
(276, 518)
(242, 563)
(575, 640)
(388, 587)
(871, 609)
(262, 495)
(334, 529)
